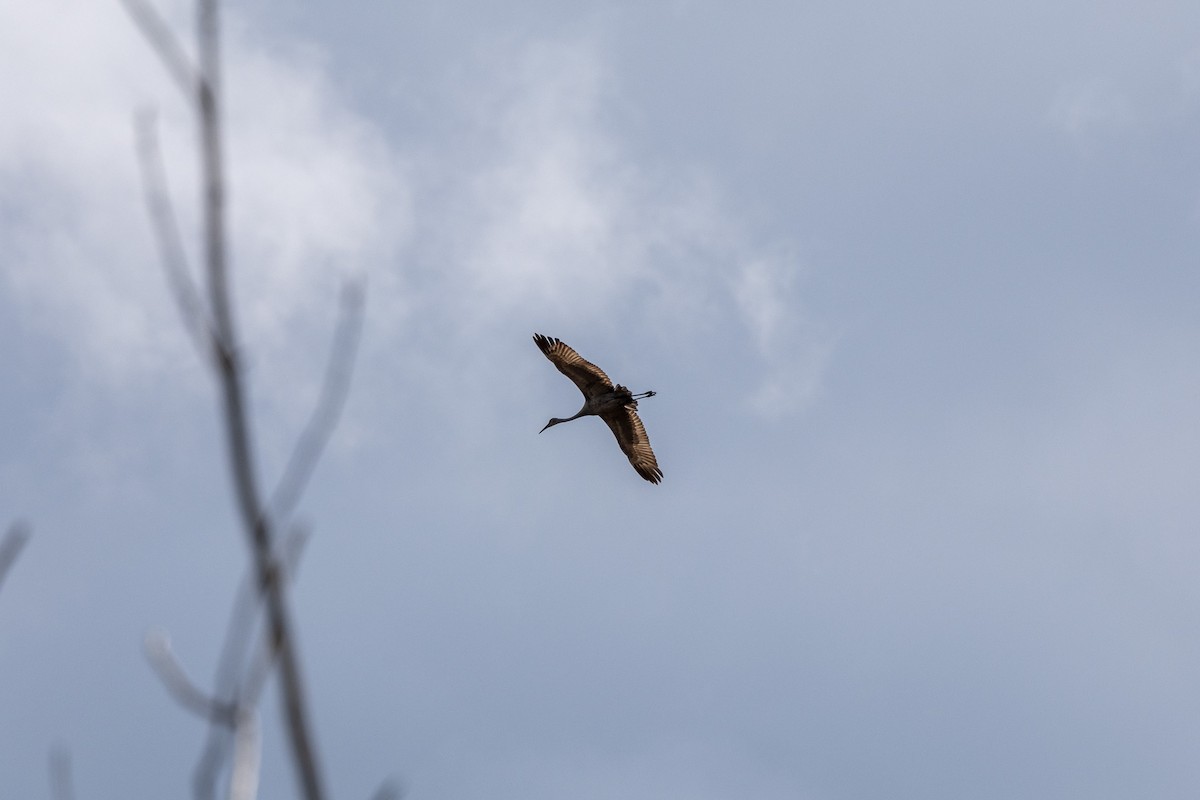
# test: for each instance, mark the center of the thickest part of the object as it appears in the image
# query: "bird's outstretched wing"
(590, 379)
(627, 426)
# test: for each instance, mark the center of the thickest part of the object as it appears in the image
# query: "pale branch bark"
(231, 708)
(208, 768)
(230, 678)
(157, 646)
(241, 720)
(213, 325)
(258, 671)
(170, 242)
(247, 756)
(177, 63)
(11, 547)
(251, 508)
(324, 419)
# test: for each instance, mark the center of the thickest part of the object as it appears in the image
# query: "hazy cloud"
(314, 190)
(542, 215)
(791, 345)
(1086, 110)
(557, 222)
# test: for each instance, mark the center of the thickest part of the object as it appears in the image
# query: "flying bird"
(616, 405)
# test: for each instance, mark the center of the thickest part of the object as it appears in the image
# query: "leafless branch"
(208, 768)
(252, 510)
(204, 84)
(259, 669)
(204, 776)
(230, 680)
(247, 754)
(242, 686)
(169, 48)
(329, 406)
(11, 546)
(61, 785)
(166, 232)
(230, 684)
(157, 645)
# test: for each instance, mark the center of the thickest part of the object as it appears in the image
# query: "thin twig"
(205, 83)
(14, 541)
(166, 232)
(242, 621)
(247, 755)
(157, 646)
(259, 669)
(252, 510)
(242, 690)
(61, 785)
(208, 768)
(334, 388)
(169, 48)
(230, 686)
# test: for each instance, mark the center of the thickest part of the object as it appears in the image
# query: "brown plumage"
(616, 405)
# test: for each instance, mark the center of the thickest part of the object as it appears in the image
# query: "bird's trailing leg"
(643, 395)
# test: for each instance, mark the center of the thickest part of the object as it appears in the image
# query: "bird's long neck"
(568, 419)
(557, 421)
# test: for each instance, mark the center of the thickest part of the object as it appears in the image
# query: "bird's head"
(553, 421)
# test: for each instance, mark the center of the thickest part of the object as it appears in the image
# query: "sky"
(916, 285)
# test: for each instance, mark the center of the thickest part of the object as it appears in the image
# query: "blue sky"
(916, 286)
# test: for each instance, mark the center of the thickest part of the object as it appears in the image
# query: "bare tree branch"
(230, 685)
(14, 541)
(247, 755)
(334, 388)
(61, 785)
(157, 646)
(169, 48)
(205, 82)
(166, 233)
(208, 768)
(231, 679)
(259, 669)
(252, 510)
(214, 332)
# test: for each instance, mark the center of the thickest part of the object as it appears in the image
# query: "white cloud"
(547, 200)
(559, 222)
(789, 344)
(534, 210)
(314, 190)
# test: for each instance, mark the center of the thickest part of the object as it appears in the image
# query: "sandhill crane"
(614, 404)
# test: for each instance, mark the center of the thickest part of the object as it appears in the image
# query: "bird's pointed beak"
(548, 424)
